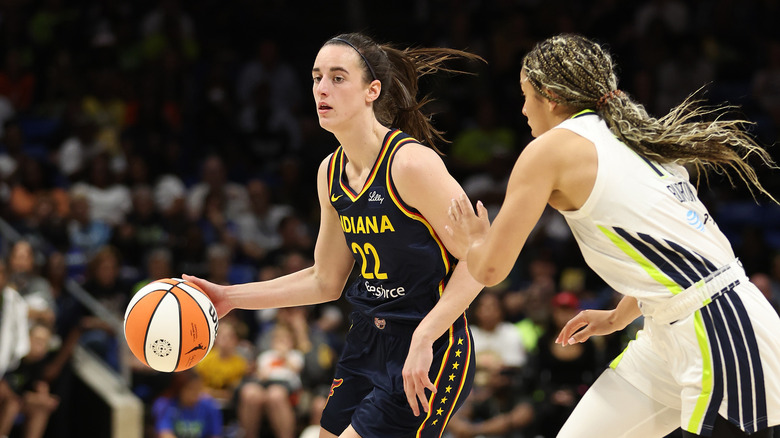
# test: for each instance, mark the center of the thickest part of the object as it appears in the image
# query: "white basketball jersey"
(643, 229)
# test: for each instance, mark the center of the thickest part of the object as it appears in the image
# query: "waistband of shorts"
(393, 327)
(697, 295)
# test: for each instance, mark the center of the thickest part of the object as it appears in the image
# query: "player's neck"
(362, 145)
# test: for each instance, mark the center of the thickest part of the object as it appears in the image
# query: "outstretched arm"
(424, 183)
(320, 283)
(558, 168)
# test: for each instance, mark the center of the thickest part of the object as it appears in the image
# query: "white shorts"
(722, 359)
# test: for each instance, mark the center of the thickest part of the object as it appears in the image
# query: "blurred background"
(146, 139)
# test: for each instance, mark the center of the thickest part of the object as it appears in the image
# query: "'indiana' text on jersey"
(403, 264)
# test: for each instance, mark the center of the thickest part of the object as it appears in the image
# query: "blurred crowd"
(145, 139)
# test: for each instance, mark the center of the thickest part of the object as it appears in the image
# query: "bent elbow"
(489, 276)
(332, 294)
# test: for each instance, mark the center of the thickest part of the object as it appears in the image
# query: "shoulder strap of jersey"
(332, 173)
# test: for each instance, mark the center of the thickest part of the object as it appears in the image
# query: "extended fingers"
(411, 394)
(454, 211)
(415, 385)
(571, 327)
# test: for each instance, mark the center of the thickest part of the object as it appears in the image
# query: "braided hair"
(578, 73)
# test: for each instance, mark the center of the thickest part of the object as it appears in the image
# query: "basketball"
(170, 324)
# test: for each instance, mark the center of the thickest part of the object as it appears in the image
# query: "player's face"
(535, 107)
(338, 85)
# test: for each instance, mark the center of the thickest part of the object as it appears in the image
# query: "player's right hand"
(216, 293)
(467, 227)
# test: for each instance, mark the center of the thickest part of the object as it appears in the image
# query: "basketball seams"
(189, 308)
(143, 301)
(181, 329)
(193, 291)
(186, 346)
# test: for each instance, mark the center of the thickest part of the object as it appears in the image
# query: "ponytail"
(399, 71)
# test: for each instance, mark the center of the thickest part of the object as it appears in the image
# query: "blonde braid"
(574, 71)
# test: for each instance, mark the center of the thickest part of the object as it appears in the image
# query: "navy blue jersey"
(404, 265)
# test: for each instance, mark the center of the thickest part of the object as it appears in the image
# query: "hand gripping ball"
(170, 324)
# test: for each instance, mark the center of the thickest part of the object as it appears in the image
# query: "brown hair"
(399, 70)
(574, 71)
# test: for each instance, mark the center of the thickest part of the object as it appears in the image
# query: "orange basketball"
(170, 324)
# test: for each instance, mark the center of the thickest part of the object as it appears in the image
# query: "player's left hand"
(585, 324)
(467, 226)
(415, 374)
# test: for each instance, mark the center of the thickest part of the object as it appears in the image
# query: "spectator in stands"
(34, 182)
(17, 80)
(104, 283)
(158, 264)
(563, 374)
(539, 284)
(774, 273)
(186, 410)
(277, 380)
(86, 235)
(109, 201)
(295, 240)
(765, 83)
(77, 149)
(14, 329)
(326, 340)
(11, 150)
(214, 178)
(55, 271)
(24, 276)
(105, 104)
(486, 137)
(497, 344)
(258, 228)
(224, 367)
(25, 390)
(764, 283)
(216, 226)
(141, 230)
(46, 224)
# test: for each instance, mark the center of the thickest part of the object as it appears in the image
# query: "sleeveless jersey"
(403, 264)
(643, 229)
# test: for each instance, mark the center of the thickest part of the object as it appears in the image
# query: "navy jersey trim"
(731, 336)
(414, 213)
(673, 260)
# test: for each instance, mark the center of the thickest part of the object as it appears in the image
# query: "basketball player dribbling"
(407, 364)
(708, 358)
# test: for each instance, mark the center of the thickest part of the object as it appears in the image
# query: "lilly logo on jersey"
(381, 292)
(375, 196)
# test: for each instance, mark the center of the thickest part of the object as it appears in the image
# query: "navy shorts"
(368, 388)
